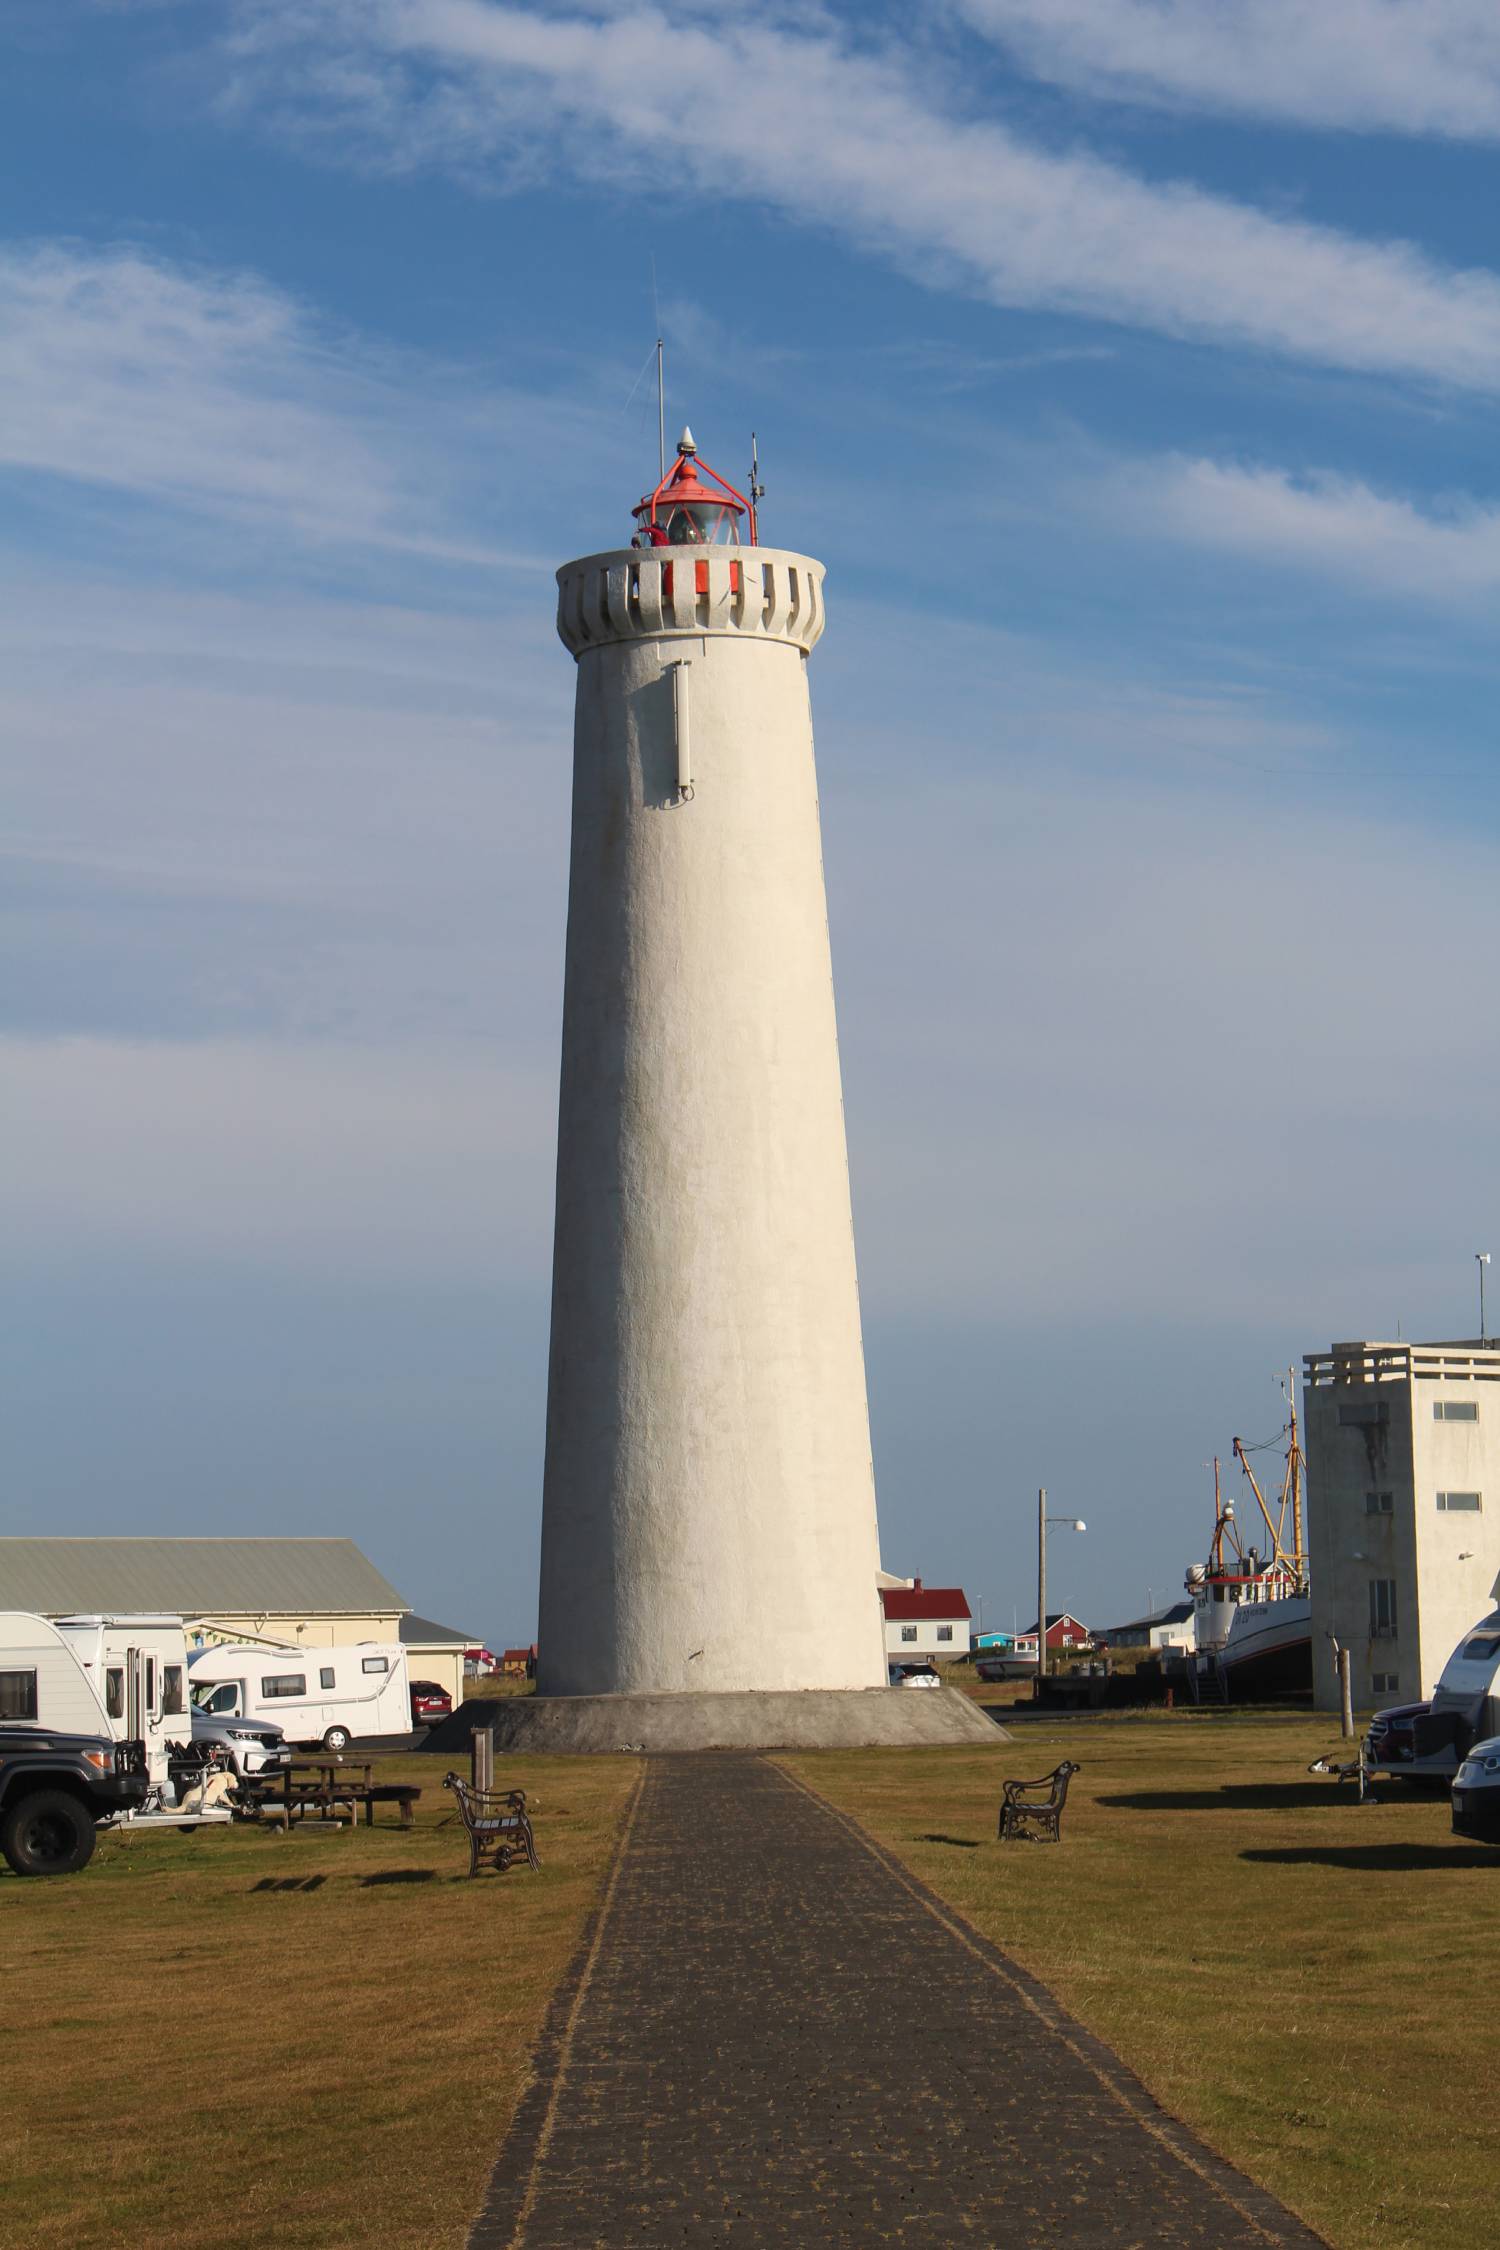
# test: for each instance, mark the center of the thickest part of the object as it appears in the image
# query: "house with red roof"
(923, 1622)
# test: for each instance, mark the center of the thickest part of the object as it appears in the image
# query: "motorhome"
(124, 1676)
(1429, 1741)
(315, 1695)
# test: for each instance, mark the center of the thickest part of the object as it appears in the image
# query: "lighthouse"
(708, 1515)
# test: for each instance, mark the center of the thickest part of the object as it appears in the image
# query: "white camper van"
(315, 1695)
(121, 1676)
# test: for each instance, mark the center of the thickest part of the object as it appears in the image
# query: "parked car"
(1476, 1793)
(429, 1703)
(56, 1788)
(920, 1675)
(1427, 1742)
(251, 1745)
(1390, 1738)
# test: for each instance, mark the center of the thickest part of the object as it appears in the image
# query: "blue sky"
(1133, 367)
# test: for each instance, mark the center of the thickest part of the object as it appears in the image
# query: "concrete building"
(1403, 1473)
(709, 1500)
(924, 1621)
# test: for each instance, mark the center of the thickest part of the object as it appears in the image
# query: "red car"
(429, 1703)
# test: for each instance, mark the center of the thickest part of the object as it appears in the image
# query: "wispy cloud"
(948, 370)
(1442, 552)
(1404, 66)
(218, 394)
(863, 141)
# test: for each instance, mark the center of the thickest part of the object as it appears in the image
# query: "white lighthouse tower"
(708, 1519)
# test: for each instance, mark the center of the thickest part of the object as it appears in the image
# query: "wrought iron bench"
(1033, 1819)
(498, 1824)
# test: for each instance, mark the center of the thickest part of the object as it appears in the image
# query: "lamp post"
(1481, 1259)
(1071, 1523)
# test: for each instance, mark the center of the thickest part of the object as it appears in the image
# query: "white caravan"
(315, 1695)
(125, 1677)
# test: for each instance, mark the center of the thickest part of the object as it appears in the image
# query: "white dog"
(207, 1795)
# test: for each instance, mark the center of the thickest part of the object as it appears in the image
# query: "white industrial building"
(1403, 1460)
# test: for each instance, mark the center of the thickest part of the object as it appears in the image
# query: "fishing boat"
(1252, 1608)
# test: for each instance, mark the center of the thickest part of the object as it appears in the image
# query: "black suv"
(55, 1788)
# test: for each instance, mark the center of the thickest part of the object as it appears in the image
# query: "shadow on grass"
(398, 1875)
(1378, 1859)
(1235, 1796)
(959, 1843)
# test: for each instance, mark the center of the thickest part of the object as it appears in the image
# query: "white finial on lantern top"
(685, 442)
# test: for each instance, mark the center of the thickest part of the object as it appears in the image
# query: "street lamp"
(1481, 1259)
(1069, 1523)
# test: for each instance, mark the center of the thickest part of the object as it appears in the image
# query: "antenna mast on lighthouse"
(661, 413)
(757, 489)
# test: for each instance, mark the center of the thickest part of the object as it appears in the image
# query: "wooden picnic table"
(327, 1787)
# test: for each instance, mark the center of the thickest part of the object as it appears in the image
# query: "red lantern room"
(683, 511)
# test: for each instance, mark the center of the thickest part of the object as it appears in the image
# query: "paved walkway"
(776, 2038)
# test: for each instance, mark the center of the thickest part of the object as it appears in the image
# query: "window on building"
(284, 1683)
(945, 1632)
(375, 1664)
(17, 1695)
(1359, 1413)
(325, 1675)
(171, 1691)
(1379, 1503)
(908, 1632)
(1459, 1503)
(1455, 1410)
(1382, 1608)
(1385, 1683)
(151, 1683)
(114, 1691)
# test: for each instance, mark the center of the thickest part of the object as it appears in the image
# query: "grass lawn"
(1312, 1984)
(266, 2041)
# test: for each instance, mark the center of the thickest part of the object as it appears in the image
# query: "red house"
(1064, 1632)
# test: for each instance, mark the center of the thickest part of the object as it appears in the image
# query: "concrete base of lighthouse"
(789, 1719)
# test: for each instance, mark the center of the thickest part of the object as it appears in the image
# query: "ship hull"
(1268, 1651)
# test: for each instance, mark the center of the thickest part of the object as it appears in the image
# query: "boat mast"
(1278, 1552)
(1294, 1471)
